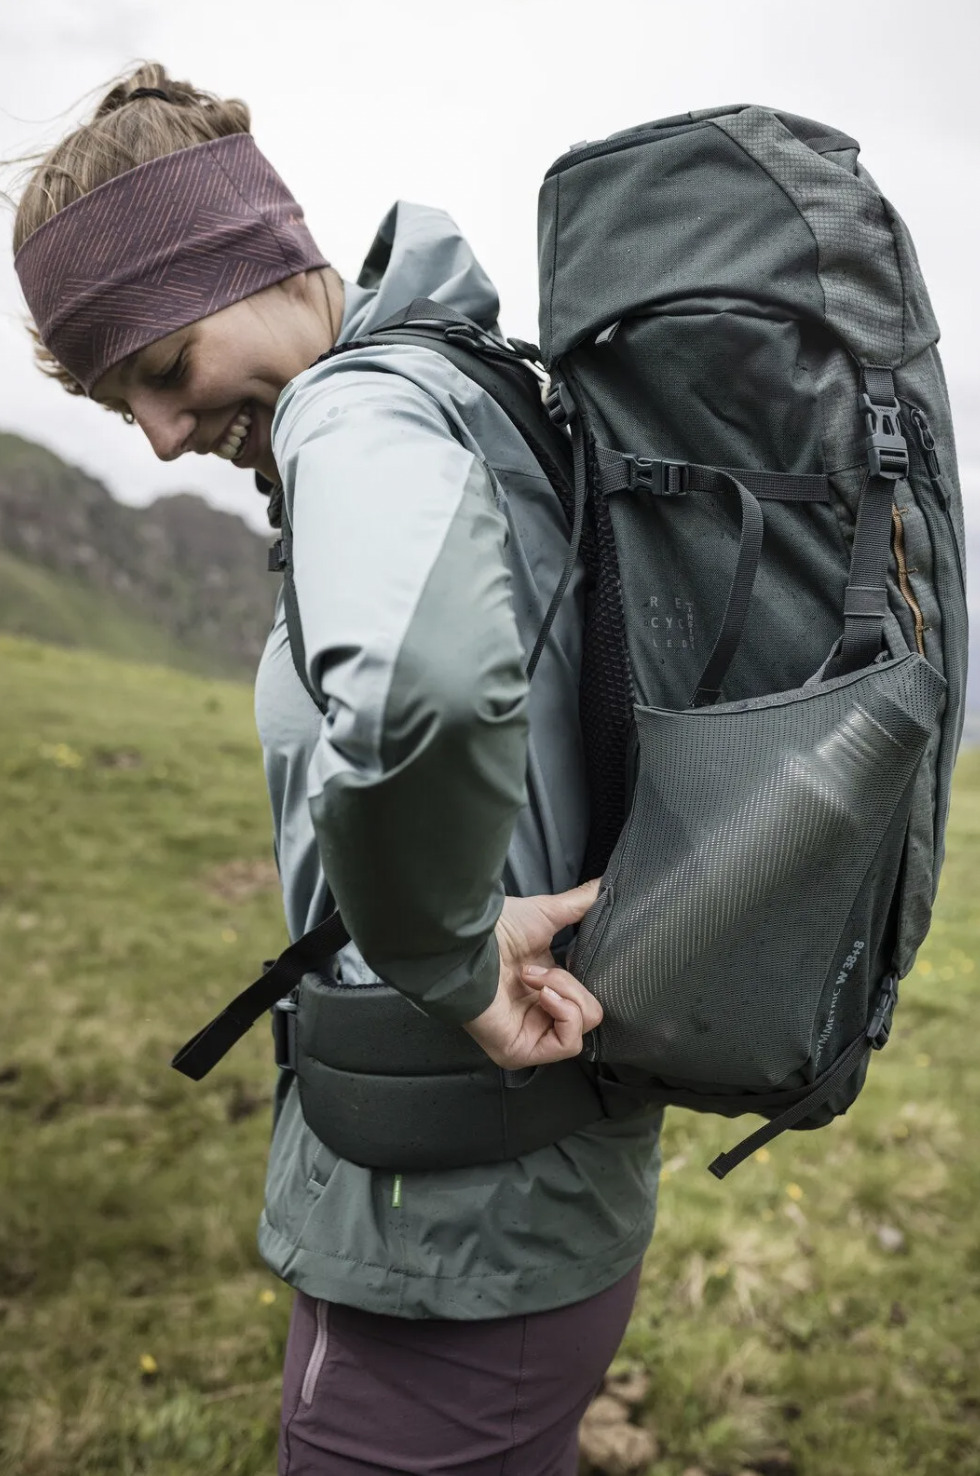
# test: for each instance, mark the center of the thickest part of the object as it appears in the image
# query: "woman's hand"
(540, 1012)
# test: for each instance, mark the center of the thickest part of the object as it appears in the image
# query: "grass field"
(815, 1315)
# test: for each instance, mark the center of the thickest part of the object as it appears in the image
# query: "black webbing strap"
(294, 626)
(842, 1068)
(874, 1038)
(501, 373)
(619, 472)
(579, 492)
(866, 596)
(498, 370)
(739, 596)
(311, 952)
(878, 383)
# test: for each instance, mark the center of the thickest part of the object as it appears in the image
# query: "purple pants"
(367, 1395)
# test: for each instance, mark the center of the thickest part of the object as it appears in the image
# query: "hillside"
(177, 582)
(815, 1315)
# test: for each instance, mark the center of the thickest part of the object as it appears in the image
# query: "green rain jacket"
(427, 543)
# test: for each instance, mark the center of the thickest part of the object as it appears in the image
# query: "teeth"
(235, 439)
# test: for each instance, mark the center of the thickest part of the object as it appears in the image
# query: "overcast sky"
(465, 103)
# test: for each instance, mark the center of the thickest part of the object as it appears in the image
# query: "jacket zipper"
(317, 1354)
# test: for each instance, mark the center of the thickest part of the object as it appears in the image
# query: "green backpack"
(749, 429)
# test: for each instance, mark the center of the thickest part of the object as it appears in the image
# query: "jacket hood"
(418, 252)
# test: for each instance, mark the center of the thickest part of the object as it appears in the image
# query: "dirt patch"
(117, 758)
(611, 1443)
(237, 881)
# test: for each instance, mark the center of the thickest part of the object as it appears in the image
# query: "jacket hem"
(400, 1292)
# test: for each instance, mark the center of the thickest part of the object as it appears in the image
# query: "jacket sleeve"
(405, 607)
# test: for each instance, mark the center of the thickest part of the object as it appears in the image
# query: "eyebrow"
(126, 368)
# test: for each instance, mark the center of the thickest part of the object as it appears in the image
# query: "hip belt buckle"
(284, 1033)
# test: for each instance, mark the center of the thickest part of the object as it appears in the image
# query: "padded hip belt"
(383, 1085)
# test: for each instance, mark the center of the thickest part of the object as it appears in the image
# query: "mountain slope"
(178, 581)
(64, 611)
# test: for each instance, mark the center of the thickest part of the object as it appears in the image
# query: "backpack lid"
(713, 204)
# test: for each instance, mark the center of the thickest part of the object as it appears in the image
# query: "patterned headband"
(157, 248)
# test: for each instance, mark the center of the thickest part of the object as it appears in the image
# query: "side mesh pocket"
(590, 932)
(753, 829)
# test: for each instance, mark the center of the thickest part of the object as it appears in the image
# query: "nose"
(168, 429)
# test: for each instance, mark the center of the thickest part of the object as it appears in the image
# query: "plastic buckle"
(888, 452)
(466, 333)
(525, 350)
(559, 405)
(659, 478)
(277, 557)
(639, 472)
(284, 1033)
(881, 1021)
(673, 479)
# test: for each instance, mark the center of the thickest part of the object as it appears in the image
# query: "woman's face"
(213, 386)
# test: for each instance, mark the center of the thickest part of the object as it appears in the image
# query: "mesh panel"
(859, 268)
(606, 688)
(752, 832)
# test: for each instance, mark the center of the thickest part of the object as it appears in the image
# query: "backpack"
(748, 427)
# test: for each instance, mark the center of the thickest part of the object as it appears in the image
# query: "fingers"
(565, 908)
(567, 1019)
(563, 984)
(541, 1024)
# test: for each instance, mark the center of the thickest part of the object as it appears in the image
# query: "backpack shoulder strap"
(281, 562)
(504, 371)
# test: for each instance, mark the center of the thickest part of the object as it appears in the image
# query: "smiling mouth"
(236, 435)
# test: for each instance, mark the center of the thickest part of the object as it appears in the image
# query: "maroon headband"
(157, 248)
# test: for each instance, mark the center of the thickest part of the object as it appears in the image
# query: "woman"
(444, 1322)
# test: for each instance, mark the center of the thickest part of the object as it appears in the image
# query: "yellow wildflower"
(62, 755)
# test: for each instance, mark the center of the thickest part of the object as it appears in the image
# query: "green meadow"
(817, 1314)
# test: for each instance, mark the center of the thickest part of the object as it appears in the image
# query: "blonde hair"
(120, 135)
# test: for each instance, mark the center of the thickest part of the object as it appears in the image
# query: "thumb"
(565, 908)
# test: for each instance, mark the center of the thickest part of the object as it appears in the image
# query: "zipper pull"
(926, 438)
(927, 444)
